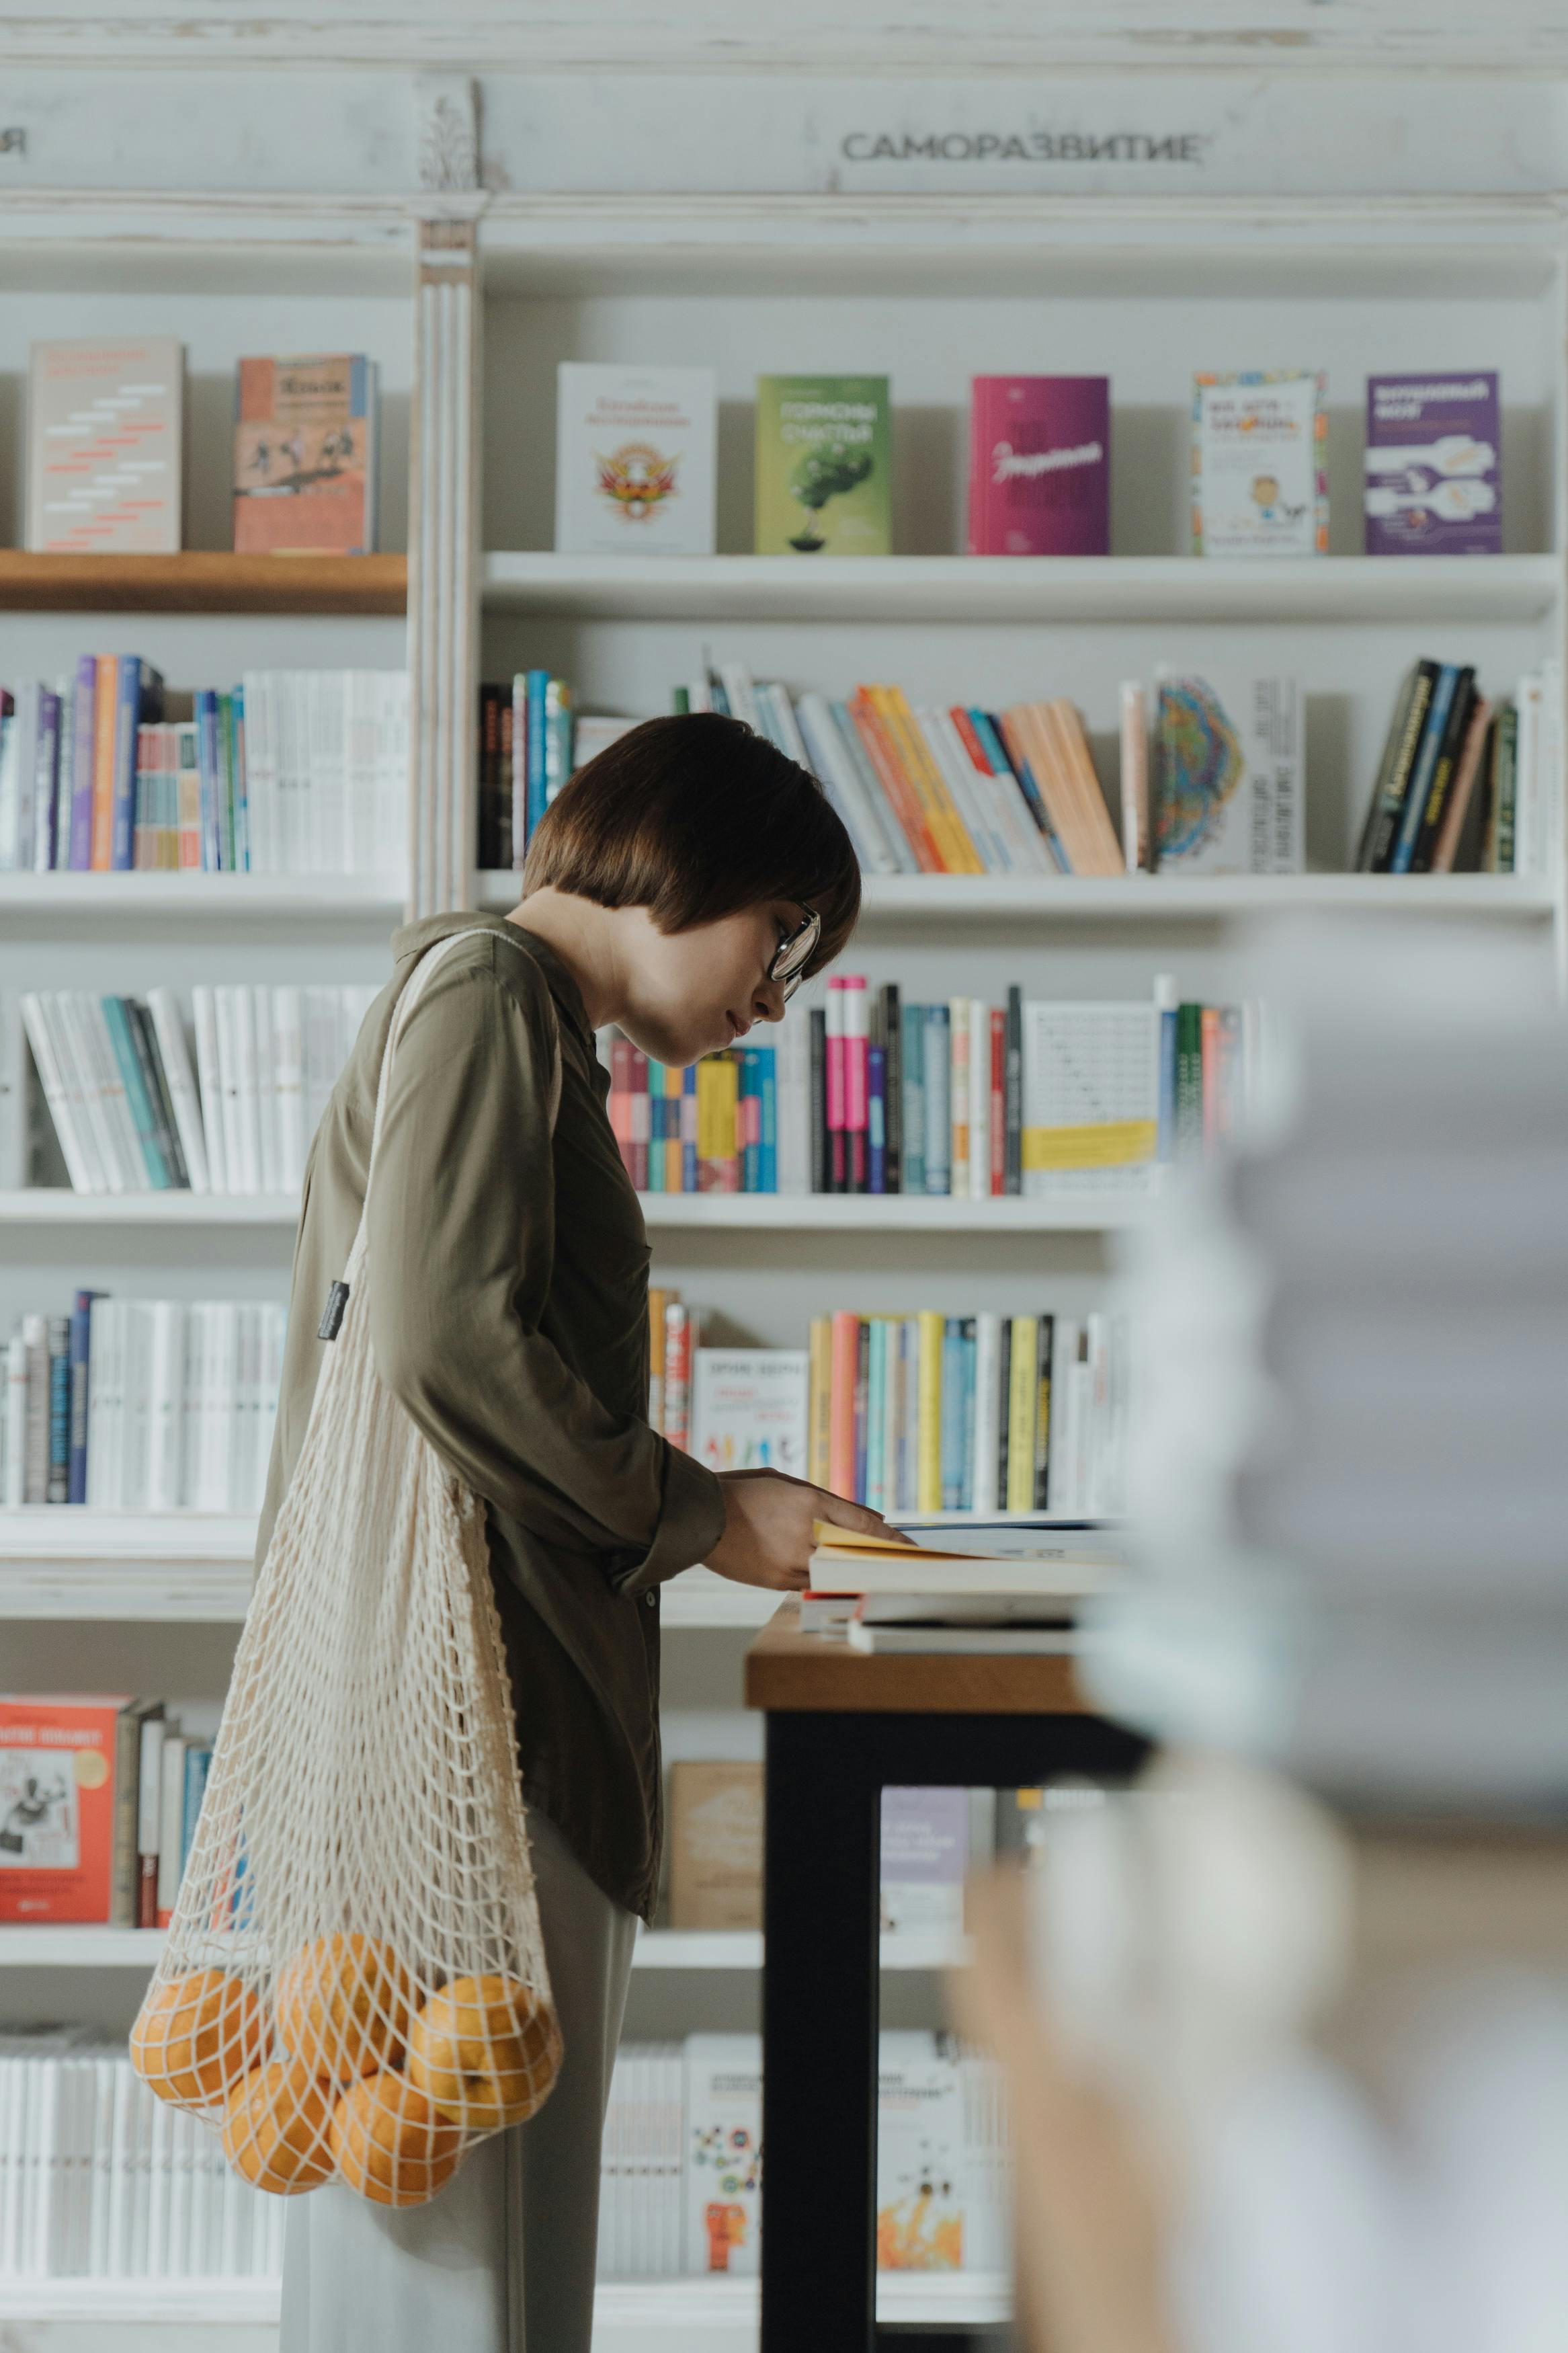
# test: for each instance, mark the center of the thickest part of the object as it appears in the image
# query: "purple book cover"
(83, 763)
(1039, 465)
(1434, 483)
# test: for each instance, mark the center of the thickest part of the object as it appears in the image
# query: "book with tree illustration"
(823, 484)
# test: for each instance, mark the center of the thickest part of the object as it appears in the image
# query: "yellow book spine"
(706, 1105)
(819, 1400)
(1020, 1407)
(729, 1109)
(958, 1096)
(948, 830)
(958, 840)
(927, 1445)
(657, 1303)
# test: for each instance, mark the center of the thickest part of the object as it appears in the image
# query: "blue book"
(81, 1378)
(1415, 803)
(1005, 765)
(768, 1062)
(876, 1120)
(59, 1416)
(139, 697)
(912, 1071)
(751, 1122)
(951, 1426)
(46, 782)
(130, 1066)
(688, 1130)
(197, 1761)
(204, 706)
(538, 746)
(938, 1109)
(240, 788)
(84, 724)
(1166, 1148)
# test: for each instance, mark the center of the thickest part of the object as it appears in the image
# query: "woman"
(681, 886)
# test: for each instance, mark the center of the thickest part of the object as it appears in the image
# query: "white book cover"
(1091, 1115)
(170, 1031)
(723, 2154)
(266, 1109)
(792, 1071)
(159, 2145)
(100, 1316)
(136, 1404)
(79, 1075)
(171, 1822)
(958, 778)
(925, 1856)
(228, 1025)
(165, 1405)
(106, 2074)
(1229, 788)
(260, 769)
(634, 460)
(749, 1409)
(921, 2167)
(57, 1098)
(1134, 746)
(324, 1025)
(831, 765)
(32, 818)
(736, 680)
(104, 1089)
(105, 427)
(209, 1080)
(121, 2165)
(246, 1087)
(288, 1085)
(248, 1406)
(1022, 850)
(910, 1434)
(1063, 1494)
(1259, 483)
(326, 709)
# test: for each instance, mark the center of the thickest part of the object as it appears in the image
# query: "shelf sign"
(1024, 147)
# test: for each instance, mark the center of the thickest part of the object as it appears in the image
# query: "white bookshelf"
(255, 900)
(663, 1949)
(964, 589)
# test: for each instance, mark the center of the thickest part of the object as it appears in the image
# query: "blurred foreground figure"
(1287, 2025)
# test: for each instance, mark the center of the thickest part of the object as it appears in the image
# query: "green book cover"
(824, 482)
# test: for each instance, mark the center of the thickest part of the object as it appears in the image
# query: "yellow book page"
(819, 1409)
(1020, 1414)
(953, 834)
(928, 1450)
(1108, 1144)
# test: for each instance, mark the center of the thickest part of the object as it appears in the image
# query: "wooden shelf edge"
(203, 581)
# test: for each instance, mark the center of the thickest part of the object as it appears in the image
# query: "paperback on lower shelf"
(98, 1799)
(867, 1092)
(289, 772)
(101, 2181)
(156, 1404)
(133, 1114)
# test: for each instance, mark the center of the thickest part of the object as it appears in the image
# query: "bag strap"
(400, 1014)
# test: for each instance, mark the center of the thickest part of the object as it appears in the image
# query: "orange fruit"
(196, 2037)
(483, 2049)
(275, 2128)
(390, 2145)
(342, 2005)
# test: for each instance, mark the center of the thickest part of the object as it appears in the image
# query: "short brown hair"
(694, 818)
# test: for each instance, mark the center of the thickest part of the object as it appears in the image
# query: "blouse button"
(651, 1599)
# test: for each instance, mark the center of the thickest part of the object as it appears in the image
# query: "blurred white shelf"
(1068, 590)
(55, 1205)
(907, 1213)
(64, 1945)
(1157, 899)
(125, 898)
(661, 2315)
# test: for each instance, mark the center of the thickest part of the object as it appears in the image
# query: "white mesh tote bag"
(354, 1985)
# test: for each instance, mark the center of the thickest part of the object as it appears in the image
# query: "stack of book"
(867, 1093)
(515, 788)
(98, 1800)
(681, 2171)
(1464, 782)
(1008, 1590)
(101, 2181)
(130, 1115)
(156, 1404)
(970, 1413)
(290, 772)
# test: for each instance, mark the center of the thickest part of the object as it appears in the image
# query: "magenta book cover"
(1039, 465)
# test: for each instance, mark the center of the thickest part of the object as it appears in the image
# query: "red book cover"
(56, 1808)
(1039, 465)
(998, 1122)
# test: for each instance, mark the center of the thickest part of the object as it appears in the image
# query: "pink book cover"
(857, 1074)
(836, 1105)
(1039, 465)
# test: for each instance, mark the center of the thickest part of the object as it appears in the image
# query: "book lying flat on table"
(846, 1561)
(934, 1637)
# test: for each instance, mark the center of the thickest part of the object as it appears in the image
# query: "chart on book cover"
(1091, 1098)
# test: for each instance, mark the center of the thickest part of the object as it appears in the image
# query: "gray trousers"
(501, 2261)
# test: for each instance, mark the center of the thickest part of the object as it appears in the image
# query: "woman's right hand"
(767, 1538)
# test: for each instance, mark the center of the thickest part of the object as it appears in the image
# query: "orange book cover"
(304, 458)
(56, 1808)
(105, 706)
(903, 799)
(951, 833)
(819, 1406)
(841, 1425)
(1093, 814)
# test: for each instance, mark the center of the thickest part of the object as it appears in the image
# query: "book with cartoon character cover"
(305, 456)
(1259, 483)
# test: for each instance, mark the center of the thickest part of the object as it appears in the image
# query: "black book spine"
(1443, 774)
(1012, 1099)
(819, 1173)
(1045, 1343)
(893, 1081)
(1390, 753)
(1004, 1419)
(162, 1110)
(1396, 781)
(489, 776)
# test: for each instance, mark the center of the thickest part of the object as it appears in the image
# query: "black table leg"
(825, 1773)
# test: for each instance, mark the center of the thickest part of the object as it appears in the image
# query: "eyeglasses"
(795, 952)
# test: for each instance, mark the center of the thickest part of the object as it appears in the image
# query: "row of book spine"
(131, 1114)
(954, 1413)
(526, 752)
(290, 771)
(1463, 780)
(156, 1404)
(101, 2181)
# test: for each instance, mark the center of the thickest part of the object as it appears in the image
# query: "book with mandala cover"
(1228, 781)
(634, 465)
(1261, 484)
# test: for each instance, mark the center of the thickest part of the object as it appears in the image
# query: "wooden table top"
(787, 1670)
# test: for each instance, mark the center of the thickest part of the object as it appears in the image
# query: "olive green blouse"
(509, 1311)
